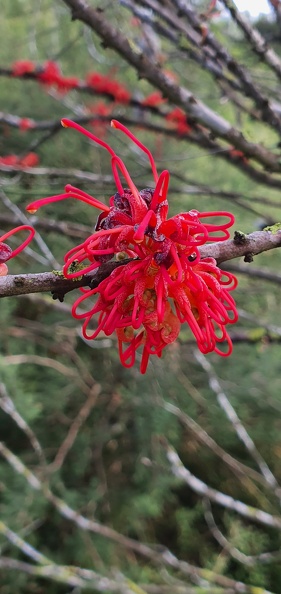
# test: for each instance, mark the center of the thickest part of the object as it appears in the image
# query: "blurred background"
(111, 481)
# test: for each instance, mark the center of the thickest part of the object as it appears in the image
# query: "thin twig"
(158, 556)
(237, 425)
(8, 406)
(226, 501)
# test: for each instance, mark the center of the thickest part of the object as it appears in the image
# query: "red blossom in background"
(109, 86)
(50, 75)
(6, 252)
(178, 117)
(22, 67)
(30, 160)
(26, 124)
(154, 99)
(165, 283)
(236, 154)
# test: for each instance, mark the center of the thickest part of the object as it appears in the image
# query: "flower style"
(6, 253)
(165, 282)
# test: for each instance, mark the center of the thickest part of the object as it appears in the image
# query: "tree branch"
(242, 245)
(151, 71)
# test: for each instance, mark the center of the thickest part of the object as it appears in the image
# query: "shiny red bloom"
(165, 283)
(6, 252)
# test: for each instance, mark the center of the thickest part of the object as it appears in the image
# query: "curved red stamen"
(34, 206)
(69, 188)
(161, 190)
(119, 126)
(144, 360)
(149, 218)
(138, 205)
(81, 272)
(177, 263)
(66, 123)
(24, 243)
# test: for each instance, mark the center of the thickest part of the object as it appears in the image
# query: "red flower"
(165, 283)
(108, 86)
(178, 117)
(67, 83)
(6, 253)
(26, 124)
(154, 99)
(30, 160)
(9, 160)
(50, 74)
(21, 67)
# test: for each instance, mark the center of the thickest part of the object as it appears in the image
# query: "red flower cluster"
(108, 86)
(50, 74)
(166, 282)
(178, 117)
(22, 67)
(26, 124)
(6, 253)
(30, 160)
(154, 99)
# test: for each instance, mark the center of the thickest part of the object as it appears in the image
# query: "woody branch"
(244, 245)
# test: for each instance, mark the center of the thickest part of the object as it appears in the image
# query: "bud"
(5, 252)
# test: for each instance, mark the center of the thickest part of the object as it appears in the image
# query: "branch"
(7, 405)
(250, 560)
(241, 470)
(80, 578)
(178, 95)
(23, 284)
(236, 422)
(197, 135)
(242, 245)
(159, 556)
(256, 40)
(226, 501)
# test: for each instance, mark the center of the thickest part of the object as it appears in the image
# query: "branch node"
(249, 257)
(240, 238)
